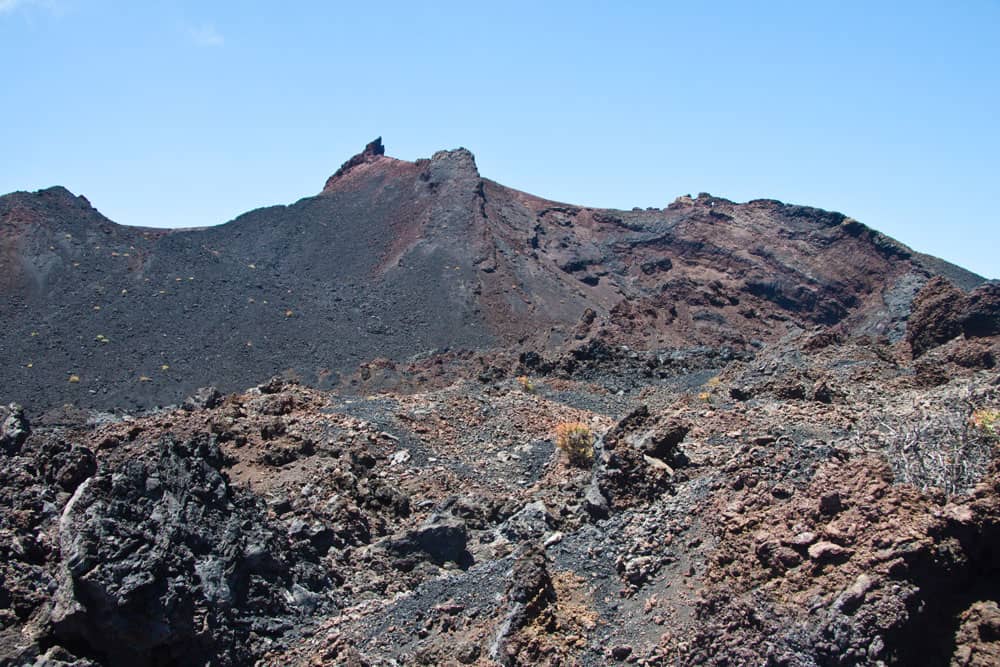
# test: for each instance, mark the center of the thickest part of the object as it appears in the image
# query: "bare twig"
(934, 447)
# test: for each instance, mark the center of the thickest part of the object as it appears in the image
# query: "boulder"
(164, 563)
(828, 552)
(530, 523)
(981, 315)
(830, 503)
(442, 538)
(203, 398)
(972, 354)
(14, 428)
(530, 581)
(977, 642)
(595, 503)
(662, 441)
(936, 316)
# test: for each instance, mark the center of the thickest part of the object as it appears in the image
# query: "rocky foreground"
(829, 498)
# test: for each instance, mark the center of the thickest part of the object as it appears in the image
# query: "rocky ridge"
(397, 260)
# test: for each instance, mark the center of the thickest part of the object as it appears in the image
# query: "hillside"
(395, 260)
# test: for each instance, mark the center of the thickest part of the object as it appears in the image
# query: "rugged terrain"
(795, 418)
(397, 260)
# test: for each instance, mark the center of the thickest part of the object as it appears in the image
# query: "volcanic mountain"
(483, 428)
(395, 259)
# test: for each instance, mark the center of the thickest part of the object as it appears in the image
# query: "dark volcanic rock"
(206, 397)
(529, 594)
(529, 580)
(981, 316)
(395, 259)
(162, 563)
(66, 465)
(529, 523)
(371, 152)
(937, 315)
(662, 442)
(14, 428)
(444, 525)
(442, 538)
(971, 354)
(941, 312)
(594, 502)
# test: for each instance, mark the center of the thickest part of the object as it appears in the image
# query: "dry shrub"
(526, 384)
(948, 447)
(577, 441)
(986, 421)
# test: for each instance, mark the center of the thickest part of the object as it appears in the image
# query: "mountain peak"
(373, 151)
(457, 158)
(374, 148)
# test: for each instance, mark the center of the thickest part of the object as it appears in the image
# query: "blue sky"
(189, 113)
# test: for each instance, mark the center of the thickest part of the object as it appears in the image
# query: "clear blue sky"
(189, 113)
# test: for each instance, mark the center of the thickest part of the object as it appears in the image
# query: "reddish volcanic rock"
(395, 259)
(937, 315)
(981, 316)
(727, 516)
(372, 152)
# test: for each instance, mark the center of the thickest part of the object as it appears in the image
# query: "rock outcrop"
(160, 561)
(14, 428)
(942, 312)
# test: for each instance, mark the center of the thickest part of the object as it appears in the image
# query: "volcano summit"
(395, 260)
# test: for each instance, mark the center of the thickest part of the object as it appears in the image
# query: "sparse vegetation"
(577, 441)
(949, 449)
(986, 421)
(526, 384)
(709, 388)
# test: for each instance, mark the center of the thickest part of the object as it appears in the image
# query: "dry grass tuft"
(577, 441)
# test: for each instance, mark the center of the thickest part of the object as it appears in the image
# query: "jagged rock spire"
(374, 148)
(373, 151)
